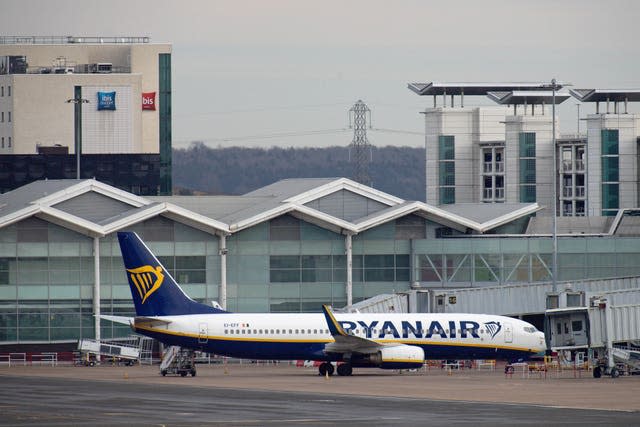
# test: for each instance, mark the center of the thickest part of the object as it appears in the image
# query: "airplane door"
(508, 332)
(203, 333)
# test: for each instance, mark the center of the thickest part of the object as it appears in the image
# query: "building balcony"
(573, 192)
(492, 194)
(573, 166)
(497, 167)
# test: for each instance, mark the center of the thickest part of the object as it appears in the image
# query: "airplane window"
(237, 332)
(277, 331)
(248, 331)
(315, 331)
(308, 331)
(291, 331)
(272, 332)
(225, 331)
(302, 331)
(260, 331)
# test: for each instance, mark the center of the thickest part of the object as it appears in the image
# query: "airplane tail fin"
(154, 291)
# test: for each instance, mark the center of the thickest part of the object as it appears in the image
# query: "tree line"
(238, 170)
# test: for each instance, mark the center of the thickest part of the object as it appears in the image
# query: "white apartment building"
(505, 154)
(45, 82)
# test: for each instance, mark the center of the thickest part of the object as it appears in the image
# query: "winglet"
(334, 326)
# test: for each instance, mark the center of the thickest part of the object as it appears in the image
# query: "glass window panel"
(284, 276)
(379, 275)
(284, 305)
(33, 319)
(610, 140)
(357, 261)
(316, 261)
(284, 261)
(610, 169)
(459, 268)
(65, 320)
(191, 276)
(8, 320)
(339, 275)
(8, 334)
(378, 261)
(190, 262)
(339, 261)
(33, 334)
(402, 260)
(402, 275)
(318, 275)
(285, 227)
(430, 267)
(447, 195)
(65, 333)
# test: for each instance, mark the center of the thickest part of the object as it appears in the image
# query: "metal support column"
(96, 285)
(223, 271)
(349, 252)
(554, 190)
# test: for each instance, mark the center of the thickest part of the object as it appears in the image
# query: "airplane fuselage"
(304, 336)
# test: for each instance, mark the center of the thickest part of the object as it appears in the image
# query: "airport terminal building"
(288, 247)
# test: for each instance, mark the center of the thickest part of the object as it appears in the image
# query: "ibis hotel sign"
(149, 101)
(107, 101)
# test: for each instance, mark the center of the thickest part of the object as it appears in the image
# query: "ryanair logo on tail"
(493, 328)
(147, 280)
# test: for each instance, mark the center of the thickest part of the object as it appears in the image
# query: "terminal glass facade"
(282, 265)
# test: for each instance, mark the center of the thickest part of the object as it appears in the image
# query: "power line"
(405, 132)
(288, 134)
(258, 109)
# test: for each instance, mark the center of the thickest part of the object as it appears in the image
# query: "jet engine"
(398, 357)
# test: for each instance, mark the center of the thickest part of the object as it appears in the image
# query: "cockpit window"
(530, 329)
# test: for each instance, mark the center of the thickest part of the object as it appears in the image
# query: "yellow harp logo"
(147, 280)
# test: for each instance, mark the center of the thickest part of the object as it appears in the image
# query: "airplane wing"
(118, 319)
(344, 342)
(151, 319)
(132, 320)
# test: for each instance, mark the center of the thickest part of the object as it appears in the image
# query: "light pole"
(77, 100)
(578, 106)
(554, 279)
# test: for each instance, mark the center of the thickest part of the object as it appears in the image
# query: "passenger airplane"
(383, 340)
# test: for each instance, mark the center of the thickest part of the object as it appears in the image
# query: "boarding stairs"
(179, 361)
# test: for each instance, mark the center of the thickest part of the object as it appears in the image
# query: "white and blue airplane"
(382, 340)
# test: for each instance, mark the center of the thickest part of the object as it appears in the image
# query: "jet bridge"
(608, 329)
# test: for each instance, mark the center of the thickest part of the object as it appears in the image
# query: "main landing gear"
(344, 369)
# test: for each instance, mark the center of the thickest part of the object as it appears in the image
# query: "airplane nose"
(542, 342)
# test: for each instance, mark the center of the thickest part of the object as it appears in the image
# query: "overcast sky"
(286, 72)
